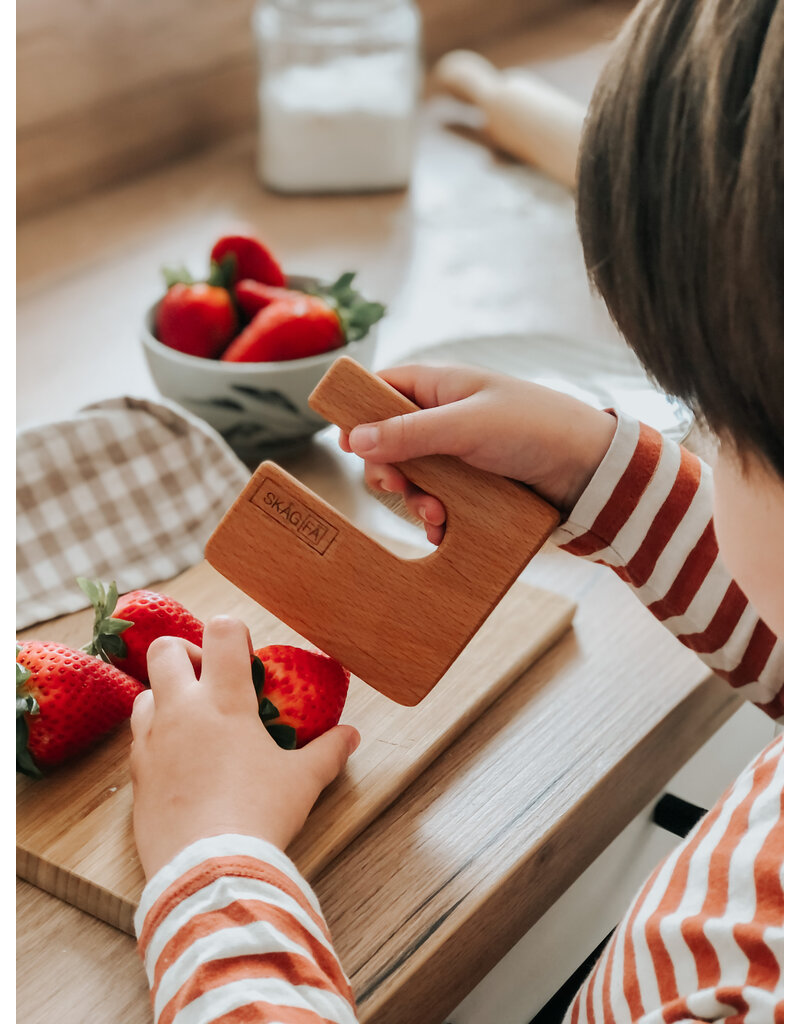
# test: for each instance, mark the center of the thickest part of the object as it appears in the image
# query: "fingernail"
(424, 516)
(355, 740)
(364, 439)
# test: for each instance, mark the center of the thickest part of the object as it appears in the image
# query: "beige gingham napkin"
(127, 490)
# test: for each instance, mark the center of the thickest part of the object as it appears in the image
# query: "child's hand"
(203, 763)
(550, 441)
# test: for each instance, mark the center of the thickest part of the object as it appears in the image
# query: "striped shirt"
(230, 932)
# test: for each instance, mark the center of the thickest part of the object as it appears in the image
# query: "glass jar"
(338, 92)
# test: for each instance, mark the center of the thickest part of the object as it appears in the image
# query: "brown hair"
(680, 207)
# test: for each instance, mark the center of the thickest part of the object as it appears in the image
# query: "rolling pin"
(525, 116)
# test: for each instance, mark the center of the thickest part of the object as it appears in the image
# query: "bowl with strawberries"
(244, 347)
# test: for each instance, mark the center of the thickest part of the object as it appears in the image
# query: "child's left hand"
(202, 762)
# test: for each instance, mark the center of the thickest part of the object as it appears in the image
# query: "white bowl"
(260, 409)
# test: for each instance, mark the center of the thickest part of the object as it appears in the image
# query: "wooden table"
(425, 901)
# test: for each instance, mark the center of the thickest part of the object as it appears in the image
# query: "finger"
(195, 655)
(435, 534)
(429, 386)
(382, 477)
(171, 667)
(327, 755)
(142, 713)
(227, 656)
(343, 442)
(445, 430)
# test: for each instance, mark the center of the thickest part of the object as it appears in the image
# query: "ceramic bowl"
(260, 409)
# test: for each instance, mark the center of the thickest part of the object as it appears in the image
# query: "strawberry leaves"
(355, 312)
(26, 704)
(106, 640)
(220, 275)
(284, 735)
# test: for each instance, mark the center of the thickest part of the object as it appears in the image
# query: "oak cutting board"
(74, 831)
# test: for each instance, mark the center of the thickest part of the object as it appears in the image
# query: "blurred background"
(347, 136)
(107, 90)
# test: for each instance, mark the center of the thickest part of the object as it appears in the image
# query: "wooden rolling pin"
(525, 116)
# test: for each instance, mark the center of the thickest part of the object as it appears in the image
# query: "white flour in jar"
(345, 125)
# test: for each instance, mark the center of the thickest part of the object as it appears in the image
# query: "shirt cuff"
(210, 848)
(606, 478)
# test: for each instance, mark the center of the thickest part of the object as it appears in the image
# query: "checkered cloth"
(128, 490)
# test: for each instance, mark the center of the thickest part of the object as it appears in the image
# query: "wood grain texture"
(519, 807)
(397, 623)
(74, 831)
(83, 951)
(112, 90)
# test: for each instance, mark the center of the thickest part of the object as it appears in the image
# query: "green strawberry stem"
(177, 275)
(356, 314)
(26, 704)
(220, 275)
(106, 641)
(284, 735)
(223, 274)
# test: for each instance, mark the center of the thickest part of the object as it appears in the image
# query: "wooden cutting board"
(74, 830)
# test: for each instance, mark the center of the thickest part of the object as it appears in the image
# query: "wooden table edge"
(428, 984)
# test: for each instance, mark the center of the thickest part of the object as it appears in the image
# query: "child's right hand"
(547, 440)
(202, 762)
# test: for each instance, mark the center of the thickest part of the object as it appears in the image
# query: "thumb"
(327, 755)
(438, 431)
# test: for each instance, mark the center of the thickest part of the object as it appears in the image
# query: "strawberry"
(288, 329)
(251, 296)
(125, 627)
(197, 319)
(252, 259)
(66, 702)
(301, 327)
(355, 312)
(301, 693)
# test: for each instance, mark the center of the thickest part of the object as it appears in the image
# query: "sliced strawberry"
(197, 319)
(252, 259)
(301, 693)
(67, 701)
(125, 627)
(287, 329)
(251, 296)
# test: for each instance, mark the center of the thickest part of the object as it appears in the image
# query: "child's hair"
(680, 207)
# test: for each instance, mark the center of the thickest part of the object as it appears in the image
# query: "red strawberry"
(253, 259)
(288, 329)
(251, 296)
(124, 628)
(66, 701)
(302, 694)
(198, 319)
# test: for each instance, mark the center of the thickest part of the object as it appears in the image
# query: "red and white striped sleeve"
(703, 939)
(647, 515)
(229, 931)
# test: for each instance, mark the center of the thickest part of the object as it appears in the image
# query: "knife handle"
(477, 502)
(347, 593)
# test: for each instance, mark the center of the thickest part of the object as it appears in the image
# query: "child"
(680, 212)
